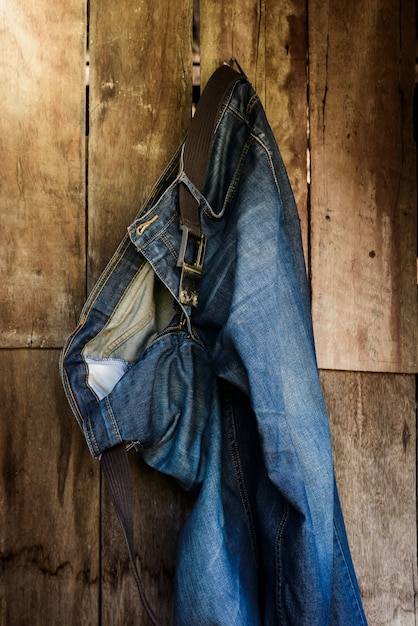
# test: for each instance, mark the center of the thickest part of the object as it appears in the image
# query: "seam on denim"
(197, 338)
(71, 340)
(158, 234)
(183, 335)
(174, 294)
(104, 278)
(253, 138)
(153, 209)
(102, 281)
(269, 158)
(106, 358)
(112, 419)
(200, 199)
(97, 290)
(236, 113)
(237, 174)
(233, 185)
(68, 344)
(90, 437)
(113, 313)
(174, 253)
(226, 105)
(244, 117)
(86, 380)
(72, 400)
(253, 101)
(356, 603)
(277, 552)
(129, 332)
(239, 474)
(69, 389)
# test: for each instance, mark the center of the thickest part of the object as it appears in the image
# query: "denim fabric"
(226, 397)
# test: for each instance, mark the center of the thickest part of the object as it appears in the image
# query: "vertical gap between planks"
(86, 227)
(308, 157)
(87, 132)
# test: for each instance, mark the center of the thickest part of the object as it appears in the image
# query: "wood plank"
(140, 108)
(363, 200)
(373, 429)
(270, 42)
(286, 95)
(160, 510)
(233, 29)
(49, 500)
(42, 54)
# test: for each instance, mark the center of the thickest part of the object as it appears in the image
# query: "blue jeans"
(226, 397)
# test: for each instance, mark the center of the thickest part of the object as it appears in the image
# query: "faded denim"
(225, 397)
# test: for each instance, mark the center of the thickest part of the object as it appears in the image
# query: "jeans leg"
(346, 605)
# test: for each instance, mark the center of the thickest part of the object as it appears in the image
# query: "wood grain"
(160, 509)
(269, 40)
(49, 500)
(140, 108)
(373, 430)
(63, 560)
(42, 61)
(286, 95)
(363, 204)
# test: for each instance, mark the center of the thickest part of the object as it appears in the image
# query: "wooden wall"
(334, 77)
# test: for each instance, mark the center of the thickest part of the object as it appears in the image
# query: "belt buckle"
(191, 271)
